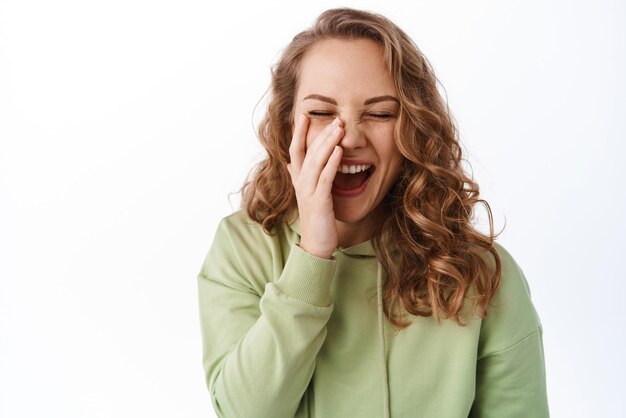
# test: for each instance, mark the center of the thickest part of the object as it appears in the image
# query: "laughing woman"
(352, 283)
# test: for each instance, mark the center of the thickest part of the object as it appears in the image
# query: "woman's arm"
(260, 345)
(260, 350)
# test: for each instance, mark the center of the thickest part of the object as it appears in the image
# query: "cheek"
(383, 129)
(383, 136)
(388, 151)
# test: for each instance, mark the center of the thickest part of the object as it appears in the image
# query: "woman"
(352, 283)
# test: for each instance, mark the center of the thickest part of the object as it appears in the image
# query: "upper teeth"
(351, 169)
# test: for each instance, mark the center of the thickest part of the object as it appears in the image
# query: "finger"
(326, 137)
(298, 143)
(329, 172)
(317, 158)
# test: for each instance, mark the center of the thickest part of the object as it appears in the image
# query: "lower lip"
(350, 192)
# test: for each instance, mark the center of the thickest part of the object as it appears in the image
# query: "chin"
(349, 215)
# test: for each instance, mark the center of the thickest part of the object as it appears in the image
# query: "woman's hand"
(312, 173)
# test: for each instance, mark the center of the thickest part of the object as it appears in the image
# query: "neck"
(353, 233)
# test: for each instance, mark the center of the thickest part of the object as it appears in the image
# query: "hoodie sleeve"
(510, 370)
(259, 350)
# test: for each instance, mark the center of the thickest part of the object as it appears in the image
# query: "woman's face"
(348, 79)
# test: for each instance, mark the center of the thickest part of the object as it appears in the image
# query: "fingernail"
(336, 122)
(301, 118)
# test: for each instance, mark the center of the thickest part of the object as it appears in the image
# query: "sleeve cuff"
(307, 277)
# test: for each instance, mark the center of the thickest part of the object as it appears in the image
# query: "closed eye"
(382, 116)
(320, 114)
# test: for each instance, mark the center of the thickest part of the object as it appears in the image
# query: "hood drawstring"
(381, 339)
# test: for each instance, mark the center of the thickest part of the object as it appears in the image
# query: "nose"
(354, 136)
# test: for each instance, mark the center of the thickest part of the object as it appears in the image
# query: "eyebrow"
(371, 100)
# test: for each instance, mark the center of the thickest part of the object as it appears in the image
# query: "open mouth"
(352, 181)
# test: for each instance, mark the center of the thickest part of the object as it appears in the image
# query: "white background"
(126, 124)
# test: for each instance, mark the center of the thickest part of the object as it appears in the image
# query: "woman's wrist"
(317, 253)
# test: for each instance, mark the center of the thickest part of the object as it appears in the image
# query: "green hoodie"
(287, 334)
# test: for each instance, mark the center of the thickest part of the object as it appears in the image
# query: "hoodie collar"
(362, 249)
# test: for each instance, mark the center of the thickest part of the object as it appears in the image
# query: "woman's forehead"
(352, 67)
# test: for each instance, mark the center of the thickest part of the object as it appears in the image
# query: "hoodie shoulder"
(245, 253)
(511, 316)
